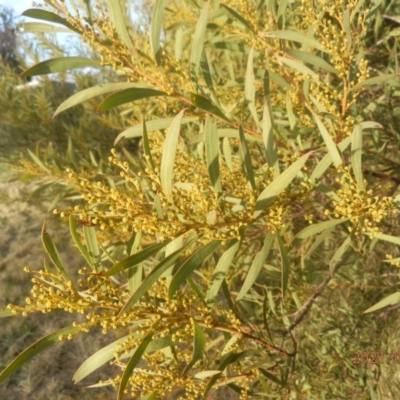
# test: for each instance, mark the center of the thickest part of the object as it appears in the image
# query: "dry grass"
(50, 374)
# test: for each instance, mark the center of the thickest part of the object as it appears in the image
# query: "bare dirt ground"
(49, 375)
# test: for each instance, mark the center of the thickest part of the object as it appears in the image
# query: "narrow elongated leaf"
(318, 241)
(190, 264)
(212, 147)
(220, 270)
(238, 17)
(154, 125)
(256, 266)
(118, 20)
(78, 242)
(249, 88)
(269, 138)
(326, 161)
(227, 359)
(106, 354)
(38, 162)
(146, 145)
(198, 346)
(298, 66)
(387, 238)
(152, 277)
(226, 149)
(93, 247)
(377, 80)
(329, 143)
(314, 229)
(130, 366)
(156, 26)
(60, 64)
(48, 16)
(246, 157)
(268, 195)
(53, 253)
(127, 96)
(205, 104)
(295, 37)
(390, 300)
(36, 348)
(135, 259)
(339, 253)
(89, 93)
(311, 59)
(96, 360)
(356, 153)
(285, 268)
(30, 27)
(198, 42)
(168, 157)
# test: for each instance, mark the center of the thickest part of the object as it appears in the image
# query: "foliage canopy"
(265, 180)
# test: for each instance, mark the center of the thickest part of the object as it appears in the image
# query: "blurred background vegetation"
(81, 138)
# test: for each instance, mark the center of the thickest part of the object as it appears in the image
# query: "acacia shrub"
(261, 187)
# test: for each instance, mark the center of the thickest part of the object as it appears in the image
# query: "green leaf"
(269, 138)
(387, 238)
(48, 16)
(390, 300)
(135, 359)
(377, 80)
(246, 157)
(118, 20)
(35, 349)
(256, 266)
(153, 277)
(249, 88)
(298, 67)
(318, 241)
(198, 42)
(38, 162)
(269, 194)
(135, 259)
(226, 149)
(78, 242)
(154, 125)
(156, 25)
(329, 143)
(53, 253)
(220, 270)
(93, 247)
(190, 264)
(212, 147)
(28, 27)
(339, 253)
(198, 346)
(238, 17)
(168, 157)
(314, 229)
(326, 161)
(89, 93)
(295, 37)
(311, 59)
(98, 359)
(127, 96)
(6, 313)
(59, 64)
(285, 265)
(146, 145)
(205, 104)
(356, 153)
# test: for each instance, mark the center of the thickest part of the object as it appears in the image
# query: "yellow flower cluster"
(363, 208)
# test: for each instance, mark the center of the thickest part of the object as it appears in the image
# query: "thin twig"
(307, 305)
